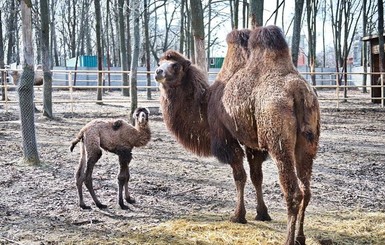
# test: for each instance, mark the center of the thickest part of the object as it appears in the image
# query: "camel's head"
(171, 69)
(141, 116)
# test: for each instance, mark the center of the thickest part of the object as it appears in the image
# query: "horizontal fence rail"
(79, 86)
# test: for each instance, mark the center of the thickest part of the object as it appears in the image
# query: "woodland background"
(129, 34)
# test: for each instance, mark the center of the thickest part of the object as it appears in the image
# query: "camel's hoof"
(301, 240)
(235, 219)
(130, 200)
(101, 206)
(83, 206)
(262, 217)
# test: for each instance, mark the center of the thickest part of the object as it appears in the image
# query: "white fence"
(66, 90)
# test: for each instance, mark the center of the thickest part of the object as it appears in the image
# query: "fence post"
(338, 90)
(6, 93)
(71, 90)
(382, 89)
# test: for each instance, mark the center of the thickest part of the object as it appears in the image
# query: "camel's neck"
(185, 115)
(143, 136)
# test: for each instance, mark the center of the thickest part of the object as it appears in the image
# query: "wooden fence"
(86, 80)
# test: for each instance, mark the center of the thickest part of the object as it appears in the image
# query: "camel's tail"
(75, 141)
(307, 113)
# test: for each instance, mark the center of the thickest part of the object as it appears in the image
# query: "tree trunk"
(364, 47)
(323, 35)
(25, 89)
(11, 31)
(198, 33)
(98, 17)
(236, 14)
(296, 38)
(147, 48)
(80, 41)
(244, 13)
(123, 50)
(54, 42)
(128, 39)
(108, 14)
(135, 58)
(209, 35)
(3, 74)
(312, 9)
(182, 32)
(381, 46)
(256, 13)
(46, 59)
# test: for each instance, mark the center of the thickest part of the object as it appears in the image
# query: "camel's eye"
(175, 66)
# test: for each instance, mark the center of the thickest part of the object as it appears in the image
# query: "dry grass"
(322, 228)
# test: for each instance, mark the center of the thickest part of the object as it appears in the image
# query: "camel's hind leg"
(304, 164)
(255, 159)
(284, 159)
(125, 157)
(80, 176)
(92, 158)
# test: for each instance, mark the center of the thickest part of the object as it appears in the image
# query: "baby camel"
(116, 136)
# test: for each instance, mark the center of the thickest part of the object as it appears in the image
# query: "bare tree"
(135, 57)
(123, 50)
(198, 33)
(147, 47)
(311, 13)
(98, 18)
(234, 10)
(54, 42)
(25, 88)
(381, 44)
(12, 32)
(3, 74)
(323, 8)
(128, 33)
(46, 59)
(182, 27)
(344, 16)
(108, 43)
(256, 13)
(296, 38)
(364, 46)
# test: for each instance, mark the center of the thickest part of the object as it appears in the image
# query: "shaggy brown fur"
(265, 106)
(116, 136)
(185, 83)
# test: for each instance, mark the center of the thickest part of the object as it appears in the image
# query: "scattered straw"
(320, 228)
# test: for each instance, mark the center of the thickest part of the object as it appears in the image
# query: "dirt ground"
(38, 204)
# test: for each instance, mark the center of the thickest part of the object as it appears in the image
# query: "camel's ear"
(147, 110)
(186, 64)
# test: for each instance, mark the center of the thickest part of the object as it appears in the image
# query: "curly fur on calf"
(116, 136)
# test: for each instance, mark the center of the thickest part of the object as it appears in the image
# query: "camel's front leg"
(123, 177)
(291, 191)
(255, 159)
(239, 175)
